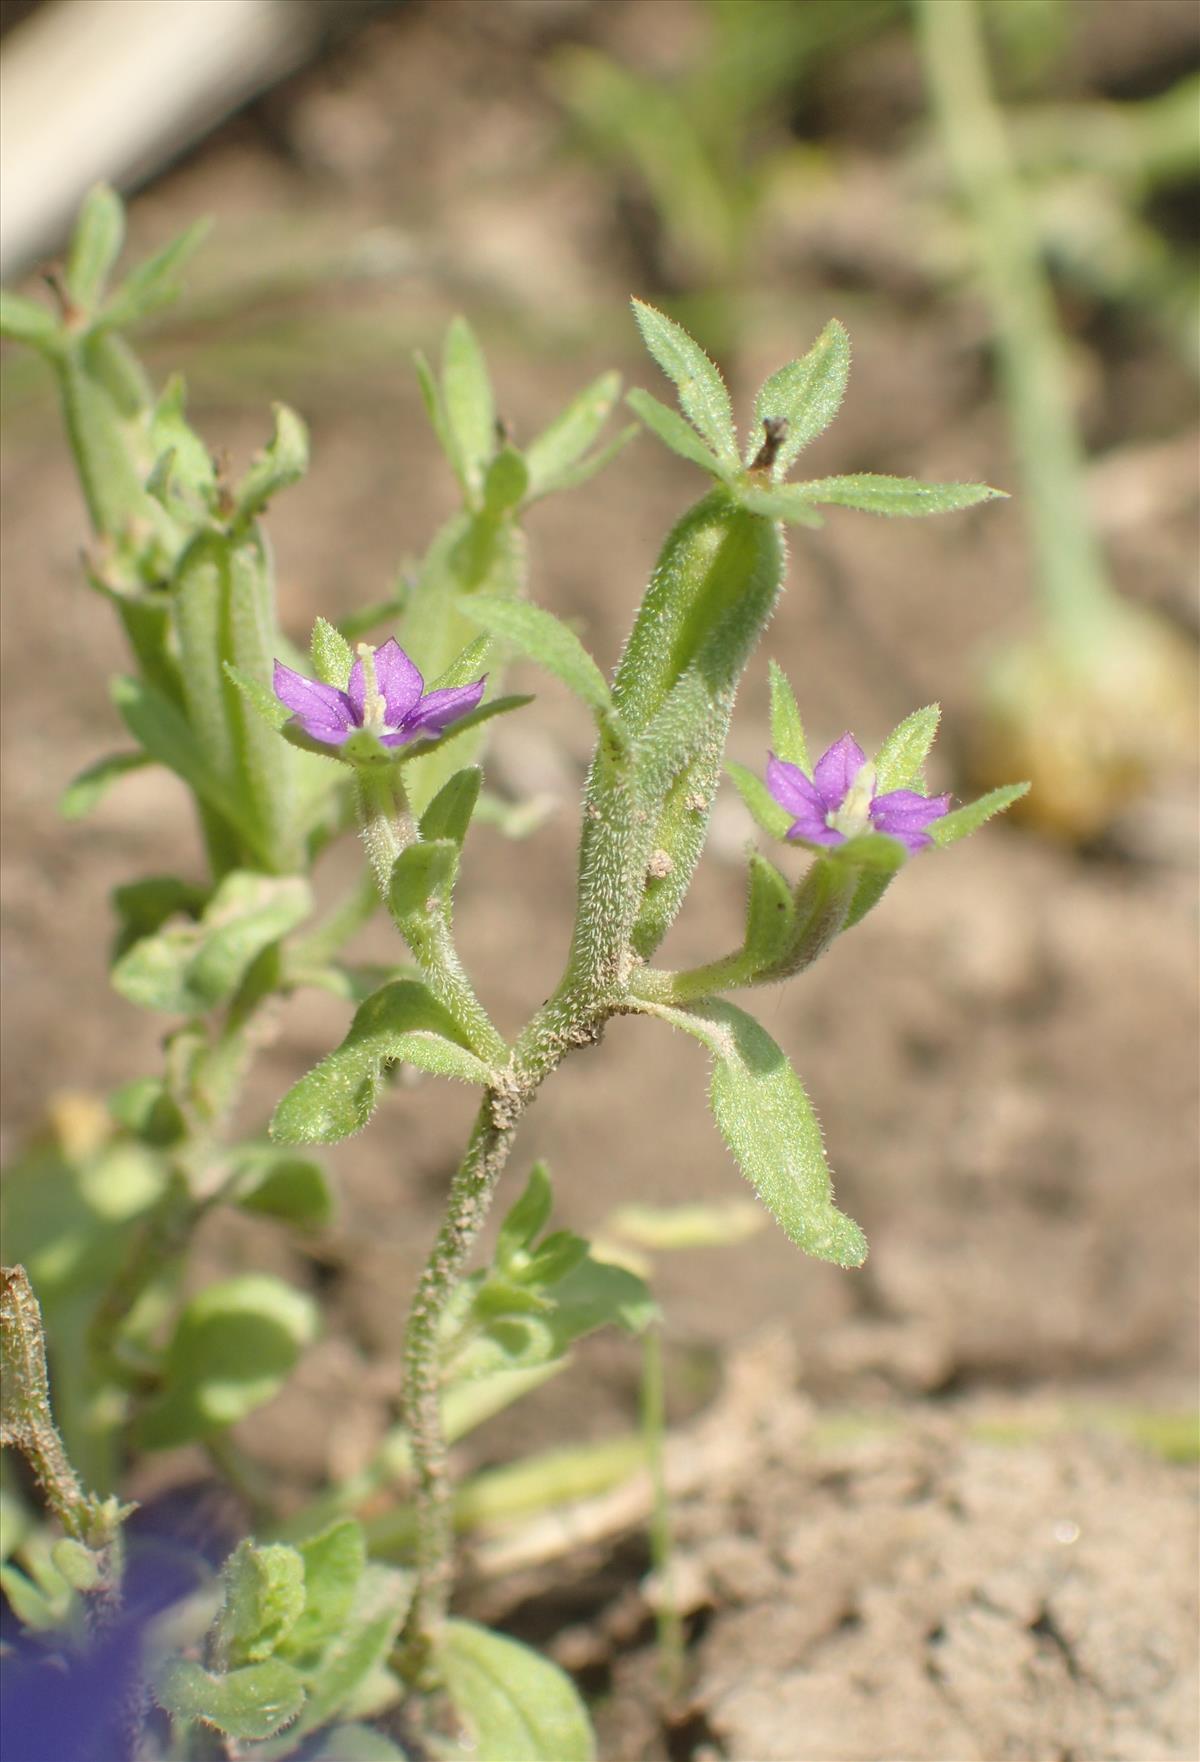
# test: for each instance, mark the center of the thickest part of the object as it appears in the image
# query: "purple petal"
(836, 770)
(309, 699)
(792, 789)
(399, 681)
(332, 733)
(437, 709)
(811, 827)
(904, 814)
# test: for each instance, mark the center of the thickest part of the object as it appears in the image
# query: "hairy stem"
(470, 1196)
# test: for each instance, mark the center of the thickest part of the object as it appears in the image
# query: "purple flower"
(393, 705)
(839, 801)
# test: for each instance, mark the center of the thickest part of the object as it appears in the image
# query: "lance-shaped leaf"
(283, 461)
(788, 739)
(673, 431)
(965, 820)
(246, 1705)
(87, 790)
(547, 640)
(95, 246)
(900, 761)
(525, 1220)
(24, 321)
(768, 1122)
(183, 461)
(468, 403)
(891, 495)
(780, 501)
(513, 1702)
(703, 396)
(449, 813)
(403, 1021)
(806, 394)
(263, 1596)
(232, 1349)
(550, 458)
(189, 968)
(153, 284)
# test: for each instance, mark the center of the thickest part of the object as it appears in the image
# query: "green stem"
(1032, 364)
(467, 1206)
(384, 821)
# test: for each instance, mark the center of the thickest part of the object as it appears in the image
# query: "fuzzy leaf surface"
(547, 640)
(806, 394)
(553, 453)
(900, 761)
(965, 820)
(876, 494)
(773, 819)
(189, 968)
(87, 790)
(95, 245)
(263, 1597)
(515, 1703)
(788, 740)
(767, 1120)
(672, 430)
(401, 1022)
(703, 395)
(246, 1705)
(470, 407)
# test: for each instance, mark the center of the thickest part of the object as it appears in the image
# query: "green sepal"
(552, 459)
(769, 914)
(261, 699)
(263, 1596)
(282, 462)
(402, 1021)
(673, 431)
(875, 494)
(874, 851)
(806, 394)
(788, 740)
(703, 396)
(24, 321)
(95, 246)
(768, 1122)
(546, 640)
(191, 968)
(246, 1705)
(967, 819)
(774, 820)
(232, 1349)
(900, 761)
(153, 285)
(464, 668)
(332, 656)
(513, 1702)
(88, 789)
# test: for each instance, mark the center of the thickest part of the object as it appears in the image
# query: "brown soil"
(1003, 1056)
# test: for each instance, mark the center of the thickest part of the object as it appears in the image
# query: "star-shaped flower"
(387, 698)
(839, 801)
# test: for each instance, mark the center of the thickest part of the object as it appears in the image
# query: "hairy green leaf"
(672, 430)
(769, 913)
(263, 1596)
(561, 446)
(449, 813)
(334, 1562)
(893, 495)
(781, 501)
(514, 1703)
(703, 396)
(768, 1122)
(24, 321)
(95, 246)
(401, 1022)
(283, 461)
(248, 1704)
(505, 482)
(274, 1183)
(332, 656)
(545, 639)
(528, 1217)
(468, 402)
(85, 792)
(806, 394)
(154, 284)
(232, 1349)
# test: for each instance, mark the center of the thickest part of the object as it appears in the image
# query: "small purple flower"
(393, 705)
(839, 801)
